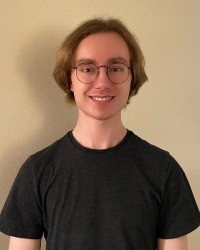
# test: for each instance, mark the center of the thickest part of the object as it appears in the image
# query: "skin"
(99, 124)
(180, 243)
(23, 244)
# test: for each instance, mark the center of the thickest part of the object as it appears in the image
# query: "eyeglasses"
(88, 72)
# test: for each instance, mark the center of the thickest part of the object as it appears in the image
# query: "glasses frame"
(98, 72)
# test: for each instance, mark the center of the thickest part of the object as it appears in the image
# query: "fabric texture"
(124, 197)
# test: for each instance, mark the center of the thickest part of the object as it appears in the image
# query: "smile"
(101, 99)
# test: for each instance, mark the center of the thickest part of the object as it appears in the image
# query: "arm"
(173, 244)
(24, 244)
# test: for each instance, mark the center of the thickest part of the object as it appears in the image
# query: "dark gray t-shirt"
(124, 197)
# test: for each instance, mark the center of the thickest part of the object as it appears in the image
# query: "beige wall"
(33, 111)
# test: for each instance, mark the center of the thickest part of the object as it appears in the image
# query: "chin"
(102, 116)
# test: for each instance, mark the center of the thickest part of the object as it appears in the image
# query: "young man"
(100, 186)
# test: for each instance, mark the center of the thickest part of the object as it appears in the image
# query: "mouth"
(102, 98)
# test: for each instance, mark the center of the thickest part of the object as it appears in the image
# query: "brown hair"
(62, 71)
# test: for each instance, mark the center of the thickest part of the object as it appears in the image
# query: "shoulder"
(146, 150)
(46, 160)
(153, 159)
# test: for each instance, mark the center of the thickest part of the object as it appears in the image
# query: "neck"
(99, 134)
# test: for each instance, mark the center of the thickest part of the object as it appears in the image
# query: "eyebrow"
(117, 59)
(85, 60)
(110, 60)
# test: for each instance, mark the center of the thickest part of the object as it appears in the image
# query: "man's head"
(62, 71)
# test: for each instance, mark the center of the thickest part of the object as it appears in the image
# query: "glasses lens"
(86, 73)
(118, 72)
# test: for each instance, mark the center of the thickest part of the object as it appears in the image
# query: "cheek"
(127, 88)
(127, 93)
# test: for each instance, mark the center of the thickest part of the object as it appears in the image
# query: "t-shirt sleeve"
(178, 214)
(21, 215)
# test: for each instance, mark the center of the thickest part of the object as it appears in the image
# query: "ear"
(71, 87)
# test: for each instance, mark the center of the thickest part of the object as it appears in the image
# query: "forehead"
(102, 47)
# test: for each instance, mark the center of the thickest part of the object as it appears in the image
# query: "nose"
(102, 81)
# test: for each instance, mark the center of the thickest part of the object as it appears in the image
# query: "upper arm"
(24, 244)
(173, 244)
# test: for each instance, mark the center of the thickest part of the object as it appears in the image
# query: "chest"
(97, 194)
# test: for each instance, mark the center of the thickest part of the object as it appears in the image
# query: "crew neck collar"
(99, 151)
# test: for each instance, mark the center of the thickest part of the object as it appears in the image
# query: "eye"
(116, 69)
(87, 68)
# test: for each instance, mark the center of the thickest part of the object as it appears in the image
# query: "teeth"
(101, 99)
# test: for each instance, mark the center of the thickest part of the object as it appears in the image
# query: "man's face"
(101, 99)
